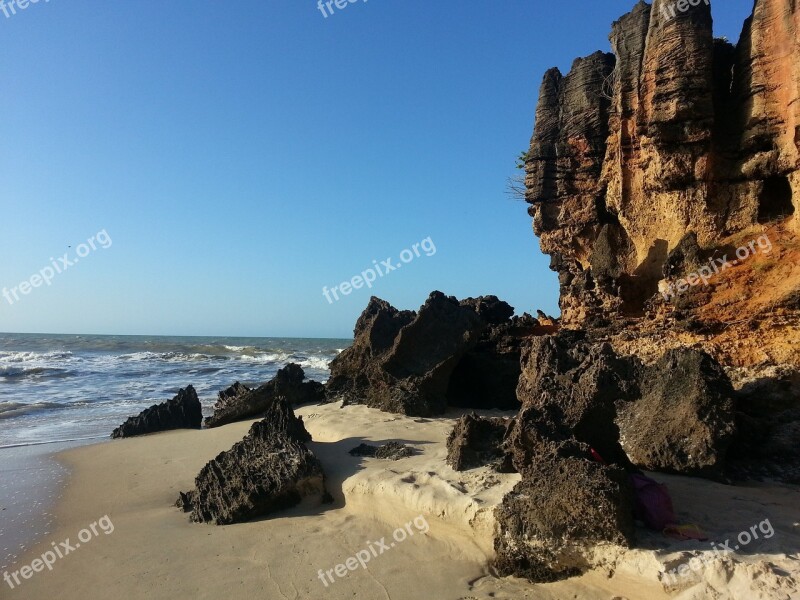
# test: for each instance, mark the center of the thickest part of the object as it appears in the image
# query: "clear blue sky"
(242, 155)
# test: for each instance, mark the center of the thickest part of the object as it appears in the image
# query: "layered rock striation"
(674, 134)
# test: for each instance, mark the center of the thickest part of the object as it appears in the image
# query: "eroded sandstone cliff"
(676, 138)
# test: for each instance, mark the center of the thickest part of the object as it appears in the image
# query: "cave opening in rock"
(775, 202)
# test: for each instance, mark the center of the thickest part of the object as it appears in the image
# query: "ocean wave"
(168, 357)
(16, 373)
(10, 410)
(27, 356)
(314, 362)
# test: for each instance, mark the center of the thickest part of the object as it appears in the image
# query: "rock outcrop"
(182, 412)
(479, 441)
(447, 353)
(675, 134)
(486, 377)
(238, 402)
(269, 470)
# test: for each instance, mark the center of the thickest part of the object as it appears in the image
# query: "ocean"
(61, 391)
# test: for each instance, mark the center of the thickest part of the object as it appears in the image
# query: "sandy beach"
(154, 551)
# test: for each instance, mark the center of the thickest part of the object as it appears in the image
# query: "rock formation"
(479, 441)
(675, 134)
(447, 353)
(565, 506)
(269, 470)
(182, 412)
(238, 402)
(388, 451)
(684, 420)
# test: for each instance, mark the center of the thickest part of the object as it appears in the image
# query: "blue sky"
(243, 155)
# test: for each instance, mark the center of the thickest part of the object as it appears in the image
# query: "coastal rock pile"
(238, 402)
(448, 353)
(574, 494)
(182, 412)
(269, 470)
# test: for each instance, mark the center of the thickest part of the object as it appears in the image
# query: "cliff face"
(675, 141)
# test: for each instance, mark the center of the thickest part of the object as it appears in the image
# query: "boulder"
(567, 504)
(182, 412)
(575, 384)
(478, 441)
(410, 372)
(684, 420)
(269, 470)
(238, 402)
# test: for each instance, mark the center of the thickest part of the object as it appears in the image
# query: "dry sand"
(155, 552)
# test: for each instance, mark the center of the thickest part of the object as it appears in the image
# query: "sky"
(230, 160)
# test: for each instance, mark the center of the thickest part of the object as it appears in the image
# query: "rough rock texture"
(684, 420)
(239, 402)
(564, 507)
(269, 470)
(182, 412)
(388, 451)
(478, 441)
(403, 361)
(767, 440)
(486, 377)
(675, 134)
(574, 494)
(575, 385)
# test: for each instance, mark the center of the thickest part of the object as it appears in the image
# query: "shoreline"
(34, 479)
(155, 552)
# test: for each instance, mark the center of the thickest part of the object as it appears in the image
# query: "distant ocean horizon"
(67, 387)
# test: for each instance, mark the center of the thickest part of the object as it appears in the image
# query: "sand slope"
(154, 552)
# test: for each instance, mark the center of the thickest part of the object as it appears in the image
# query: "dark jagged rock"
(182, 412)
(410, 372)
(487, 376)
(684, 420)
(375, 333)
(238, 403)
(478, 441)
(565, 505)
(388, 451)
(574, 493)
(577, 383)
(227, 395)
(453, 353)
(490, 308)
(269, 470)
